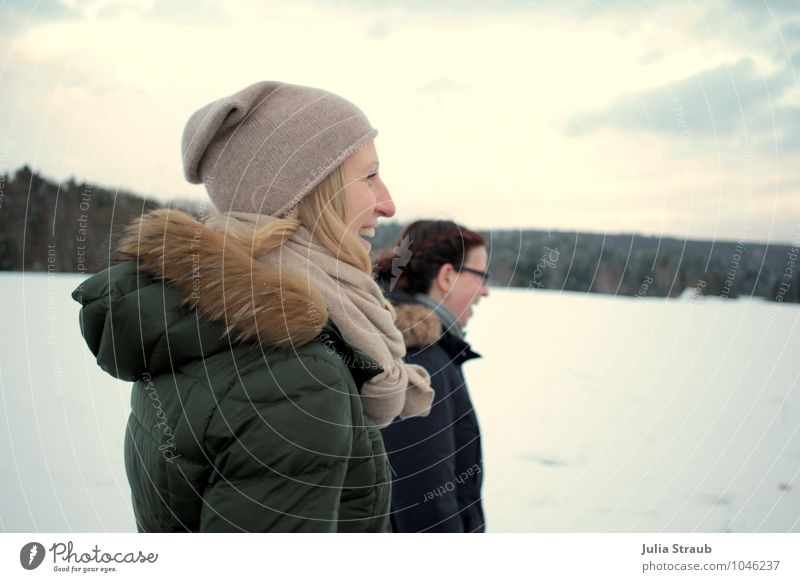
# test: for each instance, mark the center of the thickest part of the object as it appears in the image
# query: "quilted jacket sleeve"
(280, 447)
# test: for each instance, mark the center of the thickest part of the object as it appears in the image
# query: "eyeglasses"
(485, 275)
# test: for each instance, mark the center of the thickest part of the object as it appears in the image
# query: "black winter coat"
(436, 461)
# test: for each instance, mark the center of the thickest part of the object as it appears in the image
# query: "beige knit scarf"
(355, 303)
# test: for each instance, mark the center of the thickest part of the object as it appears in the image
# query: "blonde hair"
(323, 213)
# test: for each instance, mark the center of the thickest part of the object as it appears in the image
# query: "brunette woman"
(436, 277)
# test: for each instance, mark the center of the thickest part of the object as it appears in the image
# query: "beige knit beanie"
(264, 148)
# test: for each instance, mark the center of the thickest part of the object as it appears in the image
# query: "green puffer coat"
(227, 435)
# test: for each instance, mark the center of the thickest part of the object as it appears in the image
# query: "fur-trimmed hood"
(418, 323)
(137, 324)
(421, 328)
(218, 276)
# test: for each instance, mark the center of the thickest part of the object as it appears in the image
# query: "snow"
(61, 464)
(616, 414)
(599, 413)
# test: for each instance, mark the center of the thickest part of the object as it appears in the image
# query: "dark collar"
(458, 349)
(362, 366)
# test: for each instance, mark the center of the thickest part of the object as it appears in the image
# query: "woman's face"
(365, 195)
(464, 289)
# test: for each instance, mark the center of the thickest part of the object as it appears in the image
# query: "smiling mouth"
(364, 233)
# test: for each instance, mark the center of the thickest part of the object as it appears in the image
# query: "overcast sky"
(677, 118)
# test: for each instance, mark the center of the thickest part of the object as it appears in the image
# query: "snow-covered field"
(599, 413)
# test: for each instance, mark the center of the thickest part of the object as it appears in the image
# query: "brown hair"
(421, 250)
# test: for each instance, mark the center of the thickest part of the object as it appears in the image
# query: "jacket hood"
(186, 291)
(422, 328)
(418, 323)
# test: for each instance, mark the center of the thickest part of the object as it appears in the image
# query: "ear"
(444, 278)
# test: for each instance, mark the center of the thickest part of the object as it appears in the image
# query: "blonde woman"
(263, 354)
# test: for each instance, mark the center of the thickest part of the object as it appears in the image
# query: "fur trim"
(220, 279)
(418, 323)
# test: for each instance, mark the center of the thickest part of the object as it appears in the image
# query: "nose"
(485, 289)
(384, 204)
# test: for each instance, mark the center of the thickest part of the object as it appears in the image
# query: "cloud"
(791, 33)
(441, 85)
(188, 12)
(19, 13)
(765, 14)
(381, 29)
(720, 102)
(470, 100)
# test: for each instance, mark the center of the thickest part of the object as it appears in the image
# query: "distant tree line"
(634, 265)
(637, 265)
(71, 227)
(45, 226)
